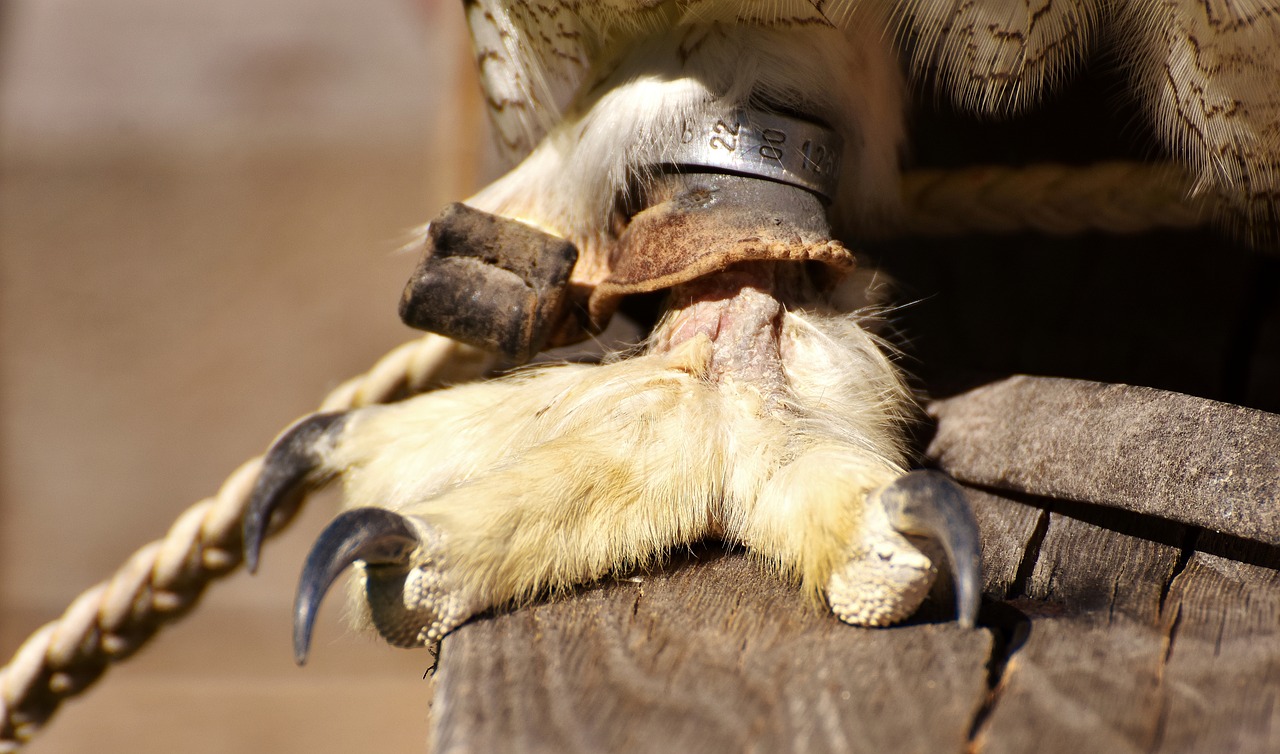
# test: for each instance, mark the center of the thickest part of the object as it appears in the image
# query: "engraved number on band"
(771, 149)
(818, 158)
(724, 136)
(768, 145)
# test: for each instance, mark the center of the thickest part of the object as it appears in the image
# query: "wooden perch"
(1104, 629)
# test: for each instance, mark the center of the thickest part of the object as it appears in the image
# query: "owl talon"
(376, 536)
(929, 504)
(289, 469)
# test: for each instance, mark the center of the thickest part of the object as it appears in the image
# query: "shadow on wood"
(1115, 625)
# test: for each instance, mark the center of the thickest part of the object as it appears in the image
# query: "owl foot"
(909, 524)
(412, 595)
(747, 417)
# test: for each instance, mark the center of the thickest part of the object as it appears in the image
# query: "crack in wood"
(1172, 623)
(722, 651)
(1187, 538)
(1004, 523)
(1189, 541)
(1009, 628)
(1027, 565)
(1120, 520)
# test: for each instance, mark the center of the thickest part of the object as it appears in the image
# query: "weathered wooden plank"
(1086, 678)
(1098, 573)
(1008, 531)
(1221, 681)
(1077, 686)
(708, 656)
(715, 655)
(1116, 658)
(1197, 461)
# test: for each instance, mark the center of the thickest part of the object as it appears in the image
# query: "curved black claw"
(289, 468)
(929, 504)
(374, 535)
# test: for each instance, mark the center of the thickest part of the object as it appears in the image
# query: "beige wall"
(200, 205)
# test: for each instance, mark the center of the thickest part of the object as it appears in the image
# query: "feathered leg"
(526, 485)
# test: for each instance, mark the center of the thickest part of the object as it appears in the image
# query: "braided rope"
(1110, 197)
(163, 579)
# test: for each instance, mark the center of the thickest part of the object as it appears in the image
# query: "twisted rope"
(163, 579)
(1110, 197)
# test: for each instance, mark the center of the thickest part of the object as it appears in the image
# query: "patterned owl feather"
(534, 55)
(1208, 75)
(1204, 71)
(997, 57)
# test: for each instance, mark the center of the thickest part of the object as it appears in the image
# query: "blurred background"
(201, 207)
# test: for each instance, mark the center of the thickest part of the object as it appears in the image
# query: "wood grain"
(709, 655)
(1200, 462)
(1085, 679)
(1104, 628)
(1009, 531)
(1100, 573)
(1221, 680)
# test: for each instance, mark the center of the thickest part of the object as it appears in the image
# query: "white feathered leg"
(535, 483)
(816, 517)
(773, 427)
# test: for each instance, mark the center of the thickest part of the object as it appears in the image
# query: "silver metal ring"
(768, 145)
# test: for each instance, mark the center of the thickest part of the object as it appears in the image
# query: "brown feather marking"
(1206, 73)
